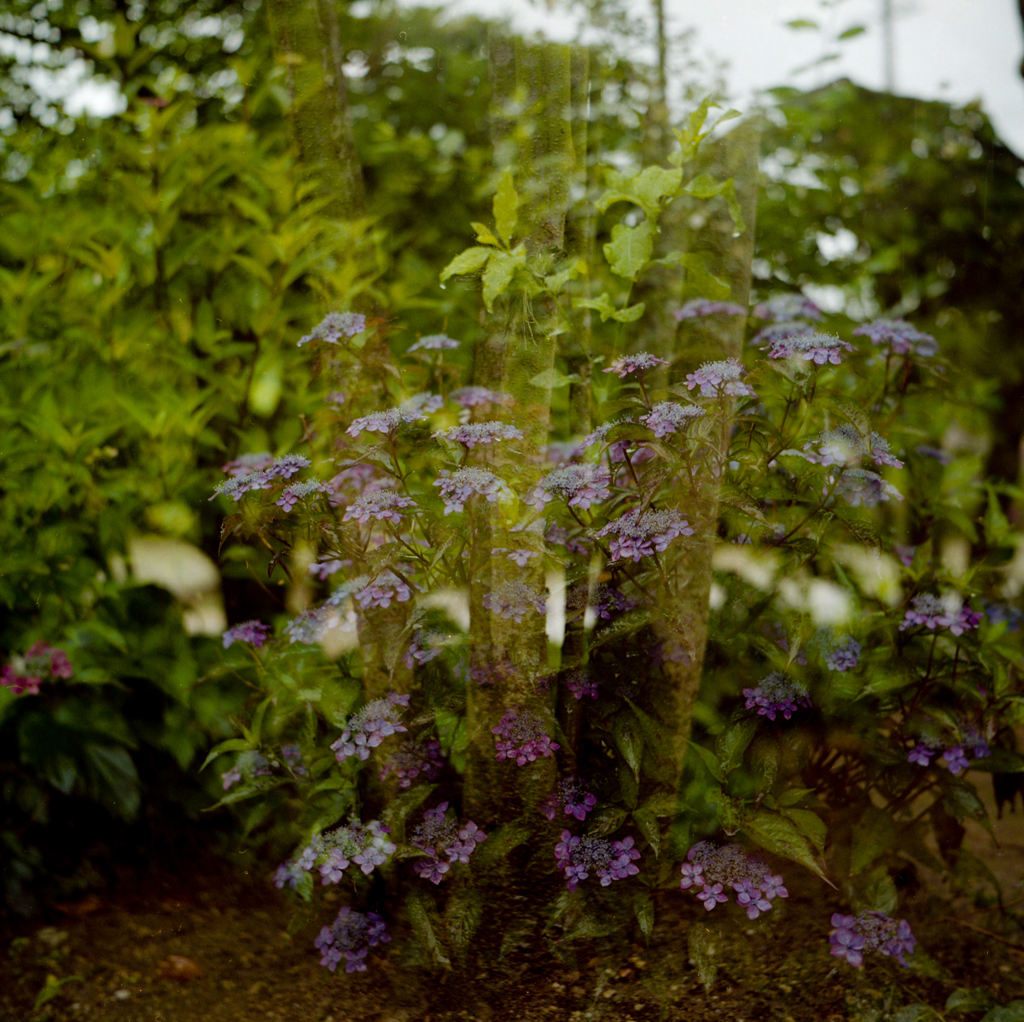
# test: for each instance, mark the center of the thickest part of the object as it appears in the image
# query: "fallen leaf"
(180, 968)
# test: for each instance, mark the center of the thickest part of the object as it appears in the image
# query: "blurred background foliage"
(158, 265)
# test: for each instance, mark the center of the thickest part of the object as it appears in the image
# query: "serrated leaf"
(506, 207)
(733, 741)
(630, 248)
(470, 261)
(607, 821)
(704, 949)
(501, 267)
(873, 891)
(420, 917)
(463, 913)
(643, 909)
(661, 805)
(810, 824)
(781, 836)
(553, 378)
(872, 835)
(645, 189)
(484, 235)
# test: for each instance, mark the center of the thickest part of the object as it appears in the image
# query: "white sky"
(953, 50)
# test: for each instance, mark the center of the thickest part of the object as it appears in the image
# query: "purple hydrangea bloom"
(520, 735)
(328, 566)
(932, 613)
(483, 669)
(254, 632)
(437, 836)
(350, 936)
(777, 693)
(711, 868)
(860, 488)
(955, 760)
(475, 397)
(706, 307)
(560, 536)
(378, 505)
(246, 463)
(578, 485)
(332, 853)
(775, 333)
(292, 754)
(785, 307)
(668, 416)
(294, 492)
(389, 421)
(811, 347)
(845, 445)
(456, 488)
(717, 379)
(386, 588)
(610, 860)
(921, 754)
(608, 600)
(639, 533)
(843, 655)
(512, 599)
(571, 797)
(261, 478)
(902, 338)
(636, 365)
(366, 729)
(425, 646)
(412, 760)
(480, 434)
(334, 326)
(581, 683)
(851, 936)
(435, 342)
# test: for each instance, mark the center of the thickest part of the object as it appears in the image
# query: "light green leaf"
(643, 909)
(484, 235)
(704, 949)
(231, 745)
(645, 189)
(553, 378)
(733, 741)
(500, 269)
(470, 261)
(851, 33)
(506, 205)
(801, 23)
(780, 836)
(603, 305)
(630, 248)
(703, 283)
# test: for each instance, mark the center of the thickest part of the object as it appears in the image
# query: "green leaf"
(873, 891)
(648, 824)
(733, 741)
(915, 1013)
(604, 306)
(924, 965)
(710, 761)
(470, 261)
(810, 824)
(703, 283)
(645, 189)
(704, 949)
(114, 781)
(607, 821)
(484, 235)
(506, 206)
(872, 835)
(405, 802)
(420, 912)
(231, 745)
(978, 999)
(553, 378)
(851, 33)
(643, 909)
(629, 741)
(801, 23)
(501, 267)
(463, 913)
(51, 989)
(630, 248)
(1012, 1012)
(500, 842)
(781, 836)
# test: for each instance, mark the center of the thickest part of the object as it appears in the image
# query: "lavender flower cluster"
(366, 729)
(512, 599)
(709, 868)
(520, 735)
(699, 307)
(366, 845)
(721, 379)
(668, 417)
(900, 336)
(610, 860)
(638, 534)
(578, 485)
(571, 797)
(351, 935)
(479, 434)
(777, 693)
(260, 478)
(378, 506)
(786, 307)
(635, 365)
(25, 674)
(254, 632)
(953, 755)
(334, 326)
(851, 936)
(930, 612)
(845, 445)
(810, 346)
(411, 760)
(456, 488)
(438, 835)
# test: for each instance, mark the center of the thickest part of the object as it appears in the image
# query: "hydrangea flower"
(261, 478)
(411, 760)
(843, 655)
(607, 600)
(811, 347)
(455, 488)
(246, 463)
(578, 485)
(482, 668)
(931, 612)
(294, 492)
(581, 683)
(349, 937)
(385, 589)
(25, 674)
(512, 599)
(479, 434)
(710, 868)
(860, 488)
(668, 416)
(571, 797)
(438, 835)
(954, 756)
(610, 860)
(785, 307)
(639, 533)
(434, 342)
(423, 404)
(706, 307)
(851, 936)
(388, 421)
(323, 569)
(777, 693)
(717, 379)
(366, 729)
(561, 536)
(423, 648)
(475, 397)
(331, 853)
(334, 326)
(846, 445)
(520, 735)
(635, 365)
(254, 632)
(900, 336)
(775, 333)
(378, 505)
